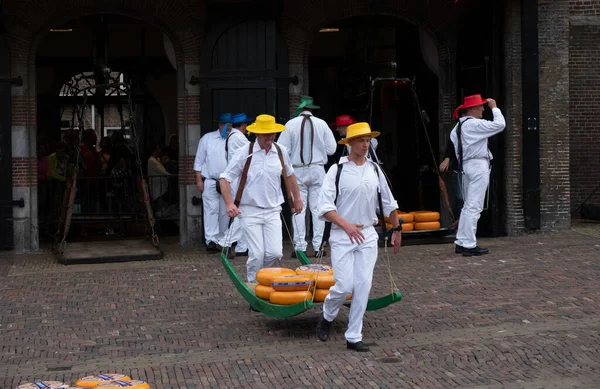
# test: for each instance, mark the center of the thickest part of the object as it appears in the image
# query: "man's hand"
(298, 205)
(200, 185)
(232, 210)
(444, 164)
(353, 232)
(492, 103)
(396, 241)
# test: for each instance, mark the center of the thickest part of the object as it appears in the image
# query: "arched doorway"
(106, 49)
(6, 212)
(245, 69)
(344, 57)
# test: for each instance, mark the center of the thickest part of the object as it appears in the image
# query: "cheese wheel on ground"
(291, 283)
(427, 217)
(289, 298)
(408, 226)
(265, 276)
(312, 269)
(324, 281)
(93, 380)
(263, 292)
(43, 385)
(408, 217)
(427, 226)
(132, 384)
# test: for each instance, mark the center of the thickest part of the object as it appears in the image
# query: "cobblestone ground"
(527, 315)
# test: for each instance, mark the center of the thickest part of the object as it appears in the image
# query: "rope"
(386, 256)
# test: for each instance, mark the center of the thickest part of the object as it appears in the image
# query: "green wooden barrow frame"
(280, 311)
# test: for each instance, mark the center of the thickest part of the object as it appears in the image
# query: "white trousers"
(353, 266)
(476, 178)
(310, 179)
(215, 213)
(234, 232)
(262, 229)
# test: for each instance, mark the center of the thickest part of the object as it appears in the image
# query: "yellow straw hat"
(265, 124)
(358, 130)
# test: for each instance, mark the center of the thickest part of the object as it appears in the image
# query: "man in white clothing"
(470, 139)
(235, 140)
(259, 196)
(210, 162)
(351, 206)
(309, 141)
(341, 124)
(158, 178)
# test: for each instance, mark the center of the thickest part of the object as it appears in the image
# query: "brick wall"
(24, 172)
(584, 103)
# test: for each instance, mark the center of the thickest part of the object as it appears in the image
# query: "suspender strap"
(238, 195)
(312, 139)
(380, 200)
(226, 146)
(460, 145)
(327, 231)
(285, 177)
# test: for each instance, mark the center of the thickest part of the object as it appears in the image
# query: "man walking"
(259, 168)
(352, 192)
(309, 141)
(470, 139)
(210, 162)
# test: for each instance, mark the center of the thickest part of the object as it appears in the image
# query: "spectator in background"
(158, 181)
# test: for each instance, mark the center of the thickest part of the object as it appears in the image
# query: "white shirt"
(357, 201)
(158, 185)
(475, 134)
(263, 184)
(323, 144)
(210, 157)
(235, 140)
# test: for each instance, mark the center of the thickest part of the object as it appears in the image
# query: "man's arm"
(293, 185)
(330, 143)
(198, 163)
(496, 126)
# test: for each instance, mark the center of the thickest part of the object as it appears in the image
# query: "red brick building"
(200, 57)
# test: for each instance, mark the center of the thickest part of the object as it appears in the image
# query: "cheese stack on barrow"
(407, 221)
(286, 286)
(426, 220)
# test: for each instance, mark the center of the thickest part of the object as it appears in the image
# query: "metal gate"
(6, 210)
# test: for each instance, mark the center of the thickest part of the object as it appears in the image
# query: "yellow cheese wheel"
(427, 226)
(43, 384)
(93, 380)
(408, 226)
(291, 283)
(265, 276)
(289, 298)
(408, 217)
(325, 281)
(388, 226)
(124, 384)
(263, 292)
(312, 269)
(415, 212)
(427, 217)
(320, 295)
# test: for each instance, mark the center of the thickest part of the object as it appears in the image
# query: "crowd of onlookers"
(108, 182)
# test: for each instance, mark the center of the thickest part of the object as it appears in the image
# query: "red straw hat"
(343, 120)
(469, 101)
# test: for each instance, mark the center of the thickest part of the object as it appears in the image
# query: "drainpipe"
(531, 113)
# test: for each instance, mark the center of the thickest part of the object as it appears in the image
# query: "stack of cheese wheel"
(131, 384)
(43, 385)
(93, 380)
(426, 220)
(282, 286)
(322, 275)
(407, 221)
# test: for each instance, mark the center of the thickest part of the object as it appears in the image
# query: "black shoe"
(358, 346)
(323, 329)
(474, 252)
(242, 254)
(459, 249)
(230, 253)
(211, 247)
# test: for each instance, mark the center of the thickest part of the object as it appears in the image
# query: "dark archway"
(245, 69)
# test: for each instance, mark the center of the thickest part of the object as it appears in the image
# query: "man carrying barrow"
(349, 200)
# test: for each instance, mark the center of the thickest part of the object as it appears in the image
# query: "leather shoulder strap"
(244, 177)
(312, 139)
(285, 177)
(460, 145)
(380, 200)
(337, 181)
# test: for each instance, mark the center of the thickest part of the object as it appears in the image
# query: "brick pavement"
(528, 315)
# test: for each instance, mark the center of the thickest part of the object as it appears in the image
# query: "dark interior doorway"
(6, 196)
(340, 65)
